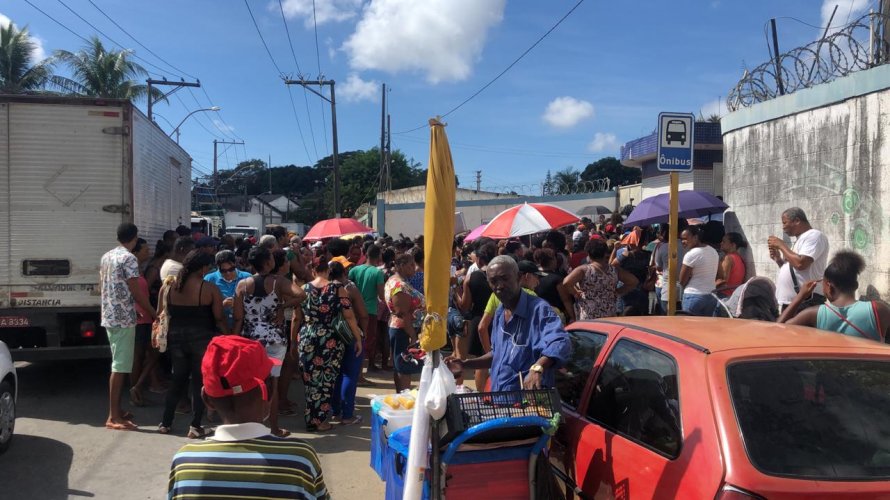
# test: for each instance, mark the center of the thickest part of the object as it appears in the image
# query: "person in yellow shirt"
(529, 274)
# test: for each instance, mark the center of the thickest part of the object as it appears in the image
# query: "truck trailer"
(71, 170)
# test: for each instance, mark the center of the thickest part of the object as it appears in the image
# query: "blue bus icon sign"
(676, 136)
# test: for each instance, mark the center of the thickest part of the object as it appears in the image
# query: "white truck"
(246, 224)
(71, 170)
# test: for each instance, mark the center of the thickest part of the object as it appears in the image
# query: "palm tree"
(565, 180)
(99, 72)
(17, 74)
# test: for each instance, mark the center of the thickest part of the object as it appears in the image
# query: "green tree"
(566, 180)
(103, 73)
(612, 169)
(18, 73)
(548, 185)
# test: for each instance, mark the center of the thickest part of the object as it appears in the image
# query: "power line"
(198, 119)
(140, 43)
(512, 151)
(226, 134)
(499, 75)
(219, 114)
(57, 21)
(297, 118)
(260, 33)
(112, 40)
(305, 97)
(324, 123)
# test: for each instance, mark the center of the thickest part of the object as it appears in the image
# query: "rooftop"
(722, 334)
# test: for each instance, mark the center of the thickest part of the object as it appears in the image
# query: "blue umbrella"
(656, 209)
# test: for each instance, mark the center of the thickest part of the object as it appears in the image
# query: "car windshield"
(815, 418)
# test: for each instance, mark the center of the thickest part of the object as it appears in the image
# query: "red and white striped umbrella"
(528, 218)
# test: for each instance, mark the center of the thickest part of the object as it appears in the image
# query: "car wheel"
(7, 415)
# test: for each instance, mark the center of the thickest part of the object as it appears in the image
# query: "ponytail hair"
(194, 262)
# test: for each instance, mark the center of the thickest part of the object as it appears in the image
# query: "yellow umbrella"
(438, 231)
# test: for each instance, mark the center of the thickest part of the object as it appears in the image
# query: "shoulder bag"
(161, 324)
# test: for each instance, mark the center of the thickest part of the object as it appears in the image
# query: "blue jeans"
(343, 399)
(699, 305)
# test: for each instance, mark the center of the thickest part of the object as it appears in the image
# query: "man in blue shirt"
(226, 277)
(528, 342)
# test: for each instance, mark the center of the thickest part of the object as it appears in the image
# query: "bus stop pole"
(673, 265)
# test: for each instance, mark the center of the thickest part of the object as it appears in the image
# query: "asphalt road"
(62, 450)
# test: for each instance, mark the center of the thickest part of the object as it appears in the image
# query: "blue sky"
(597, 81)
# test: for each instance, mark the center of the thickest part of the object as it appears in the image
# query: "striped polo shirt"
(246, 461)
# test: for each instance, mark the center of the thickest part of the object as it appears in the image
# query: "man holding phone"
(804, 261)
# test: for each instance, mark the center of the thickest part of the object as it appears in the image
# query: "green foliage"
(612, 169)
(99, 72)
(17, 73)
(565, 180)
(313, 187)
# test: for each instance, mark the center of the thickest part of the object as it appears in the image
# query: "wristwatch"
(536, 368)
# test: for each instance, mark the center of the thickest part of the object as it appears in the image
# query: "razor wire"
(553, 188)
(854, 47)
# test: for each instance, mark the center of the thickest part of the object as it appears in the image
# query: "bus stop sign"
(676, 135)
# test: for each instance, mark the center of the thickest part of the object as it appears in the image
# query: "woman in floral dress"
(594, 286)
(320, 350)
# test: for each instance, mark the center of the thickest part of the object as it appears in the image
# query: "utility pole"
(388, 153)
(176, 86)
(478, 180)
(383, 139)
(308, 84)
(778, 60)
(215, 172)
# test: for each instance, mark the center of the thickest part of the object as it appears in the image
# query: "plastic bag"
(441, 387)
(418, 448)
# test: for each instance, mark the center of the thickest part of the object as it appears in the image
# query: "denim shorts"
(398, 343)
(277, 351)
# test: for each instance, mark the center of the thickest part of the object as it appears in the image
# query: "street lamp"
(176, 130)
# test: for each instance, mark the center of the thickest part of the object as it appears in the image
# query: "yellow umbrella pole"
(438, 231)
(438, 234)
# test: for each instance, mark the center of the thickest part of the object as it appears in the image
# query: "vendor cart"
(489, 446)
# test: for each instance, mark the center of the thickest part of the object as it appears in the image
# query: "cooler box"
(395, 463)
(384, 421)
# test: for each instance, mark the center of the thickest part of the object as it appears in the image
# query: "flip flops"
(352, 421)
(282, 433)
(126, 426)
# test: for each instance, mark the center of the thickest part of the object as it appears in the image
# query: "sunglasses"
(227, 269)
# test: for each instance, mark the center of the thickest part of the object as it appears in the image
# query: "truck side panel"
(161, 179)
(4, 205)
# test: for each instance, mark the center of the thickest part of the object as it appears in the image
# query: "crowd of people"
(331, 312)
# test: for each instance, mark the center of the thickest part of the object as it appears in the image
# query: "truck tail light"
(730, 492)
(87, 329)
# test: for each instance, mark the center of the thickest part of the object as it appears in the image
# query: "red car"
(709, 408)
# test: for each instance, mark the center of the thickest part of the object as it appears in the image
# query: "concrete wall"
(626, 193)
(407, 218)
(826, 150)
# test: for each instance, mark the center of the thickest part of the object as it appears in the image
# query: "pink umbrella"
(475, 233)
(528, 218)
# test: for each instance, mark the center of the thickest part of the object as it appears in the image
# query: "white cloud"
(603, 142)
(566, 112)
(325, 10)
(39, 53)
(355, 89)
(715, 107)
(439, 38)
(847, 10)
